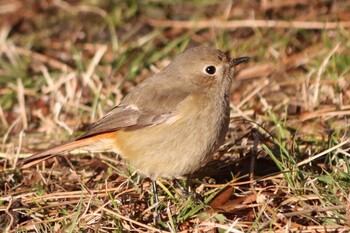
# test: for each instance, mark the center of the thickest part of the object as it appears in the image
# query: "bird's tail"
(57, 150)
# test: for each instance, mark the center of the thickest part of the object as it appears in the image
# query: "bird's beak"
(236, 61)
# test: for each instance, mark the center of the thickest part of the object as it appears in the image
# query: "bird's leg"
(156, 199)
(184, 190)
(154, 190)
(187, 189)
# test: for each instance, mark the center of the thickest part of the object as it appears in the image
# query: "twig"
(320, 71)
(8, 212)
(151, 229)
(21, 102)
(321, 113)
(248, 23)
(91, 68)
(3, 119)
(313, 210)
(322, 153)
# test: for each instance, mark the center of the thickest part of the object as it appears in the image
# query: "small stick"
(248, 23)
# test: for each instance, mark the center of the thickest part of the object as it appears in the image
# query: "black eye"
(210, 69)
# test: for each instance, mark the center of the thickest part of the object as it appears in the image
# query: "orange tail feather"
(57, 150)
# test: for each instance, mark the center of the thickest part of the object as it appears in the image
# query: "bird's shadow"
(223, 170)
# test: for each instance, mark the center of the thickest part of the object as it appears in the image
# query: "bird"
(170, 124)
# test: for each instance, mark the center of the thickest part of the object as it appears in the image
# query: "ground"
(283, 168)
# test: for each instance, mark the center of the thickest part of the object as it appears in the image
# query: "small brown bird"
(170, 124)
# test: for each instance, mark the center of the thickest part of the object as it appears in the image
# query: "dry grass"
(284, 166)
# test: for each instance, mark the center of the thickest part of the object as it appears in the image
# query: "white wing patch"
(132, 107)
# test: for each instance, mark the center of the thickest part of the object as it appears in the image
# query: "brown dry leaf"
(238, 203)
(323, 111)
(222, 198)
(223, 203)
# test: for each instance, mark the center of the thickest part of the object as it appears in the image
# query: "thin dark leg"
(181, 187)
(187, 189)
(156, 199)
(154, 190)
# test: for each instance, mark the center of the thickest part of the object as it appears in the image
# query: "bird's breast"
(180, 145)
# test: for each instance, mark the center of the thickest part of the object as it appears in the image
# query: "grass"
(285, 163)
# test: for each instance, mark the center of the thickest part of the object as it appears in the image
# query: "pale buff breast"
(179, 146)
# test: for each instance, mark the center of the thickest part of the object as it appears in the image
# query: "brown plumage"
(170, 124)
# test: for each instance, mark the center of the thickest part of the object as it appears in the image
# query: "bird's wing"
(135, 114)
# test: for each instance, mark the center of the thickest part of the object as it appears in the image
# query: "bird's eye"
(210, 70)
